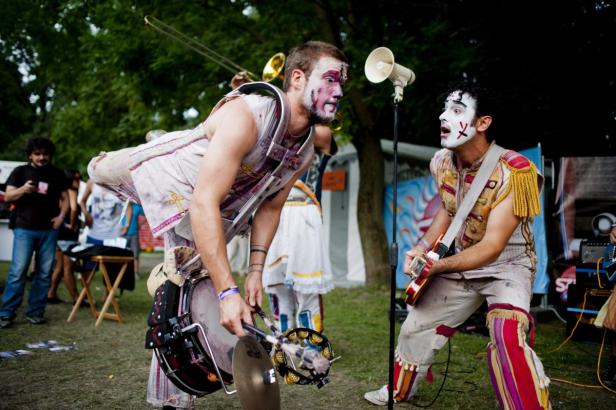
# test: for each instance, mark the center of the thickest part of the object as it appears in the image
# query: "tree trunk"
(371, 170)
(370, 199)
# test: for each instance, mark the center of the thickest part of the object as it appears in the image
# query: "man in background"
(39, 193)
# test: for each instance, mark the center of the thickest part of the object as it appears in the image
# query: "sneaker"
(379, 397)
(5, 322)
(36, 320)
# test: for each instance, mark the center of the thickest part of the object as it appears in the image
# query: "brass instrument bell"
(274, 67)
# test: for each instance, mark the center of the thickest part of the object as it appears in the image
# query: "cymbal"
(254, 376)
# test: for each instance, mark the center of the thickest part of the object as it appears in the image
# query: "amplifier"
(586, 276)
(585, 312)
(591, 252)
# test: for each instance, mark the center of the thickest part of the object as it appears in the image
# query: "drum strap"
(162, 320)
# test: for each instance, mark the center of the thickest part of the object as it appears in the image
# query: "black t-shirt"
(35, 210)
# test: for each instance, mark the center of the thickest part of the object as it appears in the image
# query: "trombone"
(272, 70)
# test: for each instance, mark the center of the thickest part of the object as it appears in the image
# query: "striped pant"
(517, 375)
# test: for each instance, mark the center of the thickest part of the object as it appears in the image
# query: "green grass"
(110, 368)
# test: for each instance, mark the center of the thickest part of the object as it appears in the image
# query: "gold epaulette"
(524, 183)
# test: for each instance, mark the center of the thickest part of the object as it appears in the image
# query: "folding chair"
(101, 262)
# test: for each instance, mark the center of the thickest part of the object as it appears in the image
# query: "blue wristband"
(425, 243)
(223, 294)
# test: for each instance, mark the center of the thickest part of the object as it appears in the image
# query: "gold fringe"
(525, 191)
(507, 314)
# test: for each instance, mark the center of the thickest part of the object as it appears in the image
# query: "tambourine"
(311, 340)
(310, 348)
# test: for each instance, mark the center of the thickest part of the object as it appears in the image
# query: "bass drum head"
(204, 309)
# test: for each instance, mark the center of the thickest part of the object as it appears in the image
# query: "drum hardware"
(199, 356)
(198, 327)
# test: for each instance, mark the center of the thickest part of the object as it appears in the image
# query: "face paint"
(324, 89)
(457, 120)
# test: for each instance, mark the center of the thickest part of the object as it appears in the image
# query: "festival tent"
(340, 227)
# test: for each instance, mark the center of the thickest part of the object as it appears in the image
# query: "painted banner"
(418, 203)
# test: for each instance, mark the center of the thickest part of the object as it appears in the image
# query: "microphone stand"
(393, 263)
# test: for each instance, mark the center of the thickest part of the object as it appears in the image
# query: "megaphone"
(381, 65)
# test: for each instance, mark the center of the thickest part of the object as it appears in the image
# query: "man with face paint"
(193, 184)
(493, 260)
(297, 271)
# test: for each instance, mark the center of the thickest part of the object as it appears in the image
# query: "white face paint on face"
(457, 120)
(324, 89)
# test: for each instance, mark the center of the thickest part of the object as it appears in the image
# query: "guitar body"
(420, 272)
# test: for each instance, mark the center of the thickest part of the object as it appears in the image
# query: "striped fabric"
(404, 379)
(516, 373)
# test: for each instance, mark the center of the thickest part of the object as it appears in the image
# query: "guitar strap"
(478, 184)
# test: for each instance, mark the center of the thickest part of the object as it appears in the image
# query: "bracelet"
(229, 291)
(258, 248)
(425, 243)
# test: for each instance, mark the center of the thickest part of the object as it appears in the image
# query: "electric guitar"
(609, 262)
(420, 272)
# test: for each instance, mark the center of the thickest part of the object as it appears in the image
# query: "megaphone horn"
(381, 65)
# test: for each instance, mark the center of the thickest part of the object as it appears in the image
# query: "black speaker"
(583, 304)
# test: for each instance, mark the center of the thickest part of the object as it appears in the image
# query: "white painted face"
(324, 89)
(457, 120)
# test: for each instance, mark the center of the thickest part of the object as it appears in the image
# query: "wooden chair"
(110, 288)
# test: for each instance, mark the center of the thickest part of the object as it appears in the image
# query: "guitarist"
(493, 260)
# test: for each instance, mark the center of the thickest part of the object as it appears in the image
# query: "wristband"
(229, 291)
(425, 243)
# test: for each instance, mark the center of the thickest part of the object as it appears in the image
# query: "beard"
(316, 116)
(320, 118)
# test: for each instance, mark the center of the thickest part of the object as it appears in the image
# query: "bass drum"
(187, 358)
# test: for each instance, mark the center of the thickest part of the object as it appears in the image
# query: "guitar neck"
(440, 249)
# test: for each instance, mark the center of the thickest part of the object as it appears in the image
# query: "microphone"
(381, 65)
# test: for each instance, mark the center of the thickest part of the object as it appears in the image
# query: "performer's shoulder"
(443, 154)
(515, 160)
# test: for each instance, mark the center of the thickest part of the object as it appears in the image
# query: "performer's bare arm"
(74, 210)
(84, 199)
(57, 221)
(264, 226)
(439, 226)
(323, 139)
(233, 134)
(500, 227)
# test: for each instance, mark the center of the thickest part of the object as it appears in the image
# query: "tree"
(100, 78)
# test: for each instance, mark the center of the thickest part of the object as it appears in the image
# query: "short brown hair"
(305, 56)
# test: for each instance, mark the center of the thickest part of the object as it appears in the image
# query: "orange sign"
(334, 181)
